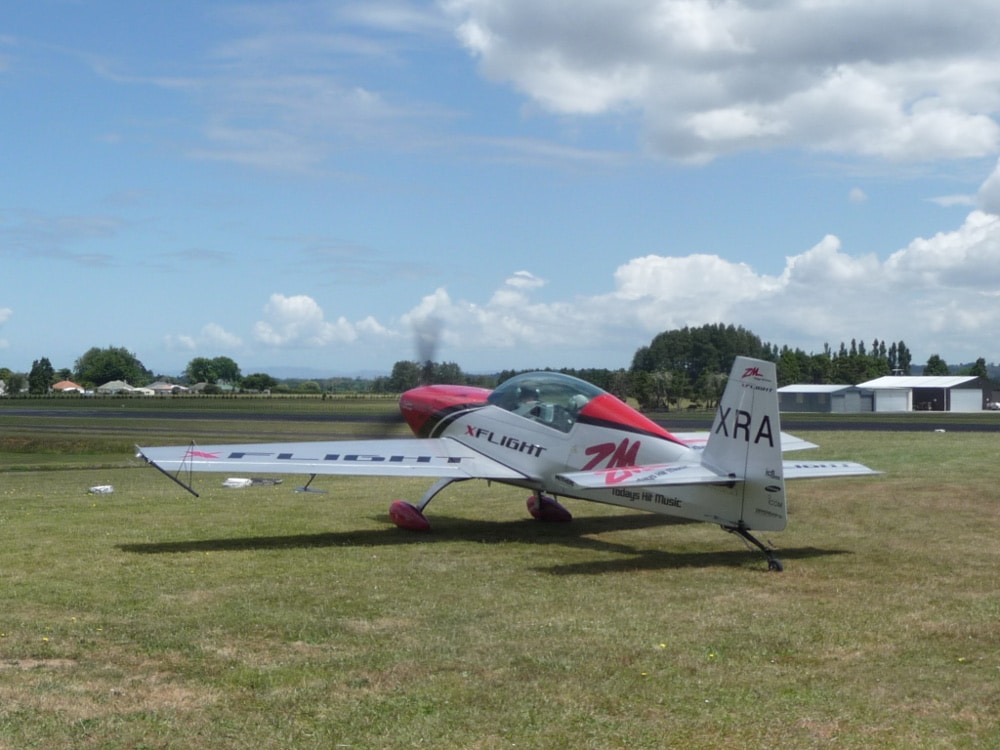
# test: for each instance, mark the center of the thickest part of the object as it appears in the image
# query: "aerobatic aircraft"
(559, 436)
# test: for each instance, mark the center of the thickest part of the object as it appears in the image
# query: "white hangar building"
(962, 393)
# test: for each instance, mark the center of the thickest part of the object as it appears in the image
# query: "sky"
(306, 187)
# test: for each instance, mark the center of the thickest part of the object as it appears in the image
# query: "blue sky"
(299, 185)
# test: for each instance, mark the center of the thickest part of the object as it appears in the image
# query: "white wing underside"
(428, 457)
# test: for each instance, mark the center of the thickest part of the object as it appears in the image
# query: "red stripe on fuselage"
(610, 411)
(424, 407)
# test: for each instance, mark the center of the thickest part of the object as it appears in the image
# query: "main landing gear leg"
(409, 516)
(773, 563)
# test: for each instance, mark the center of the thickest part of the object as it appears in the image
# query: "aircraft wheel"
(406, 516)
(547, 509)
(775, 565)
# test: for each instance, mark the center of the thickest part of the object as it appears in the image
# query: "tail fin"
(745, 443)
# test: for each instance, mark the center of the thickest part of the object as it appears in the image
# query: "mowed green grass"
(262, 618)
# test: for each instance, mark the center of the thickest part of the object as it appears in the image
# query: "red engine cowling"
(424, 407)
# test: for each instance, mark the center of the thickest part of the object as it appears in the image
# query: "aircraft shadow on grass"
(582, 533)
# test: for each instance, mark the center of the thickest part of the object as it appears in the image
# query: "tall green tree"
(98, 366)
(409, 374)
(405, 375)
(936, 366)
(226, 370)
(259, 381)
(691, 351)
(16, 382)
(658, 390)
(199, 370)
(41, 377)
(448, 373)
(215, 370)
(979, 369)
(900, 359)
(710, 387)
(792, 366)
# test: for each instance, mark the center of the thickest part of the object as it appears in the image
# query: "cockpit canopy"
(552, 398)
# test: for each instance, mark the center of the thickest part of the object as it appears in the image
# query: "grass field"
(262, 618)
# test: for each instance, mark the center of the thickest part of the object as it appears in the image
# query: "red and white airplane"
(559, 436)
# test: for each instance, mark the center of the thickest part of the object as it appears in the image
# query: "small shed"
(956, 393)
(823, 399)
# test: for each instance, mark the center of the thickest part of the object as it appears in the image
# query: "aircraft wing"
(697, 440)
(429, 457)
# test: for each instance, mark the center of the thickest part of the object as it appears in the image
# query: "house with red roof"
(67, 386)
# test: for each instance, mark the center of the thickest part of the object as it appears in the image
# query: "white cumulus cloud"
(708, 77)
(937, 293)
(299, 322)
(215, 335)
(212, 338)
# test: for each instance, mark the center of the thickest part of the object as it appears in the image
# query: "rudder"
(745, 442)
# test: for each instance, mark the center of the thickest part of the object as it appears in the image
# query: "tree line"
(687, 364)
(98, 366)
(692, 364)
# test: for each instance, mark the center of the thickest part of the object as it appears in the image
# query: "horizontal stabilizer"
(689, 474)
(645, 476)
(820, 469)
(697, 440)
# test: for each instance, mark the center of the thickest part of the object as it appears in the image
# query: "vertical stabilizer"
(745, 442)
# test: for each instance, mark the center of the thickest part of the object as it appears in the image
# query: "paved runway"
(791, 421)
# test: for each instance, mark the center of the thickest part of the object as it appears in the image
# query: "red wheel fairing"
(406, 516)
(546, 509)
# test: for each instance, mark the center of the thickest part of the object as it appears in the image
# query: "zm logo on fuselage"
(615, 455)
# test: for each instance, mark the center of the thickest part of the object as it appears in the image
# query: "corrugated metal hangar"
(928, 392)
(823, 399)
(892, 393)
